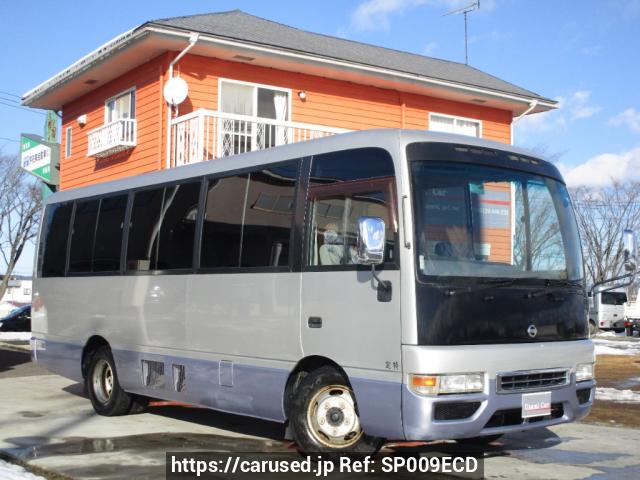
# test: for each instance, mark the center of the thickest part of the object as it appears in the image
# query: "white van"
(607, 310)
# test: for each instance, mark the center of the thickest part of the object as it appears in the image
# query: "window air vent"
(179, 378)
(153, 374)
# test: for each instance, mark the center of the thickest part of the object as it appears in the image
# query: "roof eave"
(126, 39)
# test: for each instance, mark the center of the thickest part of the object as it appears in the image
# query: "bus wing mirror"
(371, 240)
(630, 245)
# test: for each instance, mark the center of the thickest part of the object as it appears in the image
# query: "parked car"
(17, 321)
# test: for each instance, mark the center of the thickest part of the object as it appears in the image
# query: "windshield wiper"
(485, 284)
(554, 287)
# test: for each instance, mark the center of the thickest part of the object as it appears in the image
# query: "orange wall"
(329, 102)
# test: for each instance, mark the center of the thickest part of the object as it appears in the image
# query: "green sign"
(40, 158)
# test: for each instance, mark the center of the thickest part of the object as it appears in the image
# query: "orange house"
(252, 84)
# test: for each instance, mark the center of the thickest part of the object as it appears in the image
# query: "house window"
(260, 102)
(26, 291)
(121, 106)
(67, 143)
(459, 125)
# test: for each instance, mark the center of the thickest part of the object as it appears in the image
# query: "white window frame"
(457, 117)
(67, 142)
(288, 91)
(115, 97)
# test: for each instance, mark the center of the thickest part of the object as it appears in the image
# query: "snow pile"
(9, 471)
(7, 336)
(610, 333)
(622, 396)
(617, 347)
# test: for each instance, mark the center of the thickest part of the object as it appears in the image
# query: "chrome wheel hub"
(333, 418)
(102, 381)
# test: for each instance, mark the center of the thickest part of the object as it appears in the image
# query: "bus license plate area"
(536, 404)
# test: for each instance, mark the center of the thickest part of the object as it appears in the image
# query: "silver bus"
(374, 285)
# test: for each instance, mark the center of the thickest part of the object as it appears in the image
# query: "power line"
(23, 108)
(10, 94)
(10, 100)
(10, 139)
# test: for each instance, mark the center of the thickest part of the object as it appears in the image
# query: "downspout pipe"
(532, 105)
(193, 39)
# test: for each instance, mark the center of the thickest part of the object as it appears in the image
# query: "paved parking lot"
(46, 421)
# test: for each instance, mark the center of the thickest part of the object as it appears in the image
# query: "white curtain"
(466, 127)
(280, 102)
(237, 98)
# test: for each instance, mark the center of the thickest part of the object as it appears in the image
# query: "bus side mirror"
(630, 245)
(371, 240)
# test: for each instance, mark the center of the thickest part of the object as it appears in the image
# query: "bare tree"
(602, 214)
(20, 204)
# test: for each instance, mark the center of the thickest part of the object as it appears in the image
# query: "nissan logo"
(532, 331)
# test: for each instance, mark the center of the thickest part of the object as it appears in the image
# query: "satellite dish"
(175, 91)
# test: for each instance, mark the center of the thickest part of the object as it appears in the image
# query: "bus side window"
(268, 216)
(83, 235)
(55, 231)
(108, 243)
(146, 215)
(342, 187)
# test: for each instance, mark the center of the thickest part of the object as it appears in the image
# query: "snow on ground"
(15, 336)
(622, 396)
(610, 343)
(9, 471)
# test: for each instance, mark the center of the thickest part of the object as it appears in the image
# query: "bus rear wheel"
(105, 393)
(325, 416)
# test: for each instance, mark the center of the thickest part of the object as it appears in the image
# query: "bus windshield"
(481, 221)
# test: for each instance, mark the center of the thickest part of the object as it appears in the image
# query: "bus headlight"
(447, 383)
(584, 372)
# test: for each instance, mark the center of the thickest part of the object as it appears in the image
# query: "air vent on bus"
(532, 380)
(179, 378)
(153, 374)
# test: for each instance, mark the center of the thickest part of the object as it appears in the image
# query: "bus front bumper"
(491, 414)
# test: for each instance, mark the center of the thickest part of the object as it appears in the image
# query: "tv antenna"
(465, 10)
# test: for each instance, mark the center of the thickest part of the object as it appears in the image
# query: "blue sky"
(584, 54)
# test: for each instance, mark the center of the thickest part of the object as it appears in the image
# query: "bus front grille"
(532, 380)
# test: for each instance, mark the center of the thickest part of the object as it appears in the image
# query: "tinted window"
(82, 236)
(344, 186)
(268, 216)
(177, 233)
(142, 247)
(55, 232)
(222, 227)
(108, 242)
(247, 219)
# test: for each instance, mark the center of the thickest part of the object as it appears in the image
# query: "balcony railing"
(112, 138)
(207, 135)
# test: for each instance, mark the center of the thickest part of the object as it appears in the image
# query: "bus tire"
(105, 393)
(324, 416)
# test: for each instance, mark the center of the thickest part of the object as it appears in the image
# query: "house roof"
(235, 35)
(239, 25)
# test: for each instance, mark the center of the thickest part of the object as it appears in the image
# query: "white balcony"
(112, 138)
(207, 135)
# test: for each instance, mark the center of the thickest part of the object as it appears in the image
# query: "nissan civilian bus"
(374, 285)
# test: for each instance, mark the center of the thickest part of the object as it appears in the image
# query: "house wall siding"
(329, 102)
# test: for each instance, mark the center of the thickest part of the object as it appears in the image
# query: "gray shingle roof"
(241, 26)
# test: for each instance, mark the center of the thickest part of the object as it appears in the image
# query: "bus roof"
(390, 139)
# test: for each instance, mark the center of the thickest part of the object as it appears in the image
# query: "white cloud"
(572, 107)
(429, 48)
(630, 117)
(603, 169)
(375, 14)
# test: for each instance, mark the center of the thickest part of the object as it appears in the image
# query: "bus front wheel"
(325, 416)
(105, 393)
